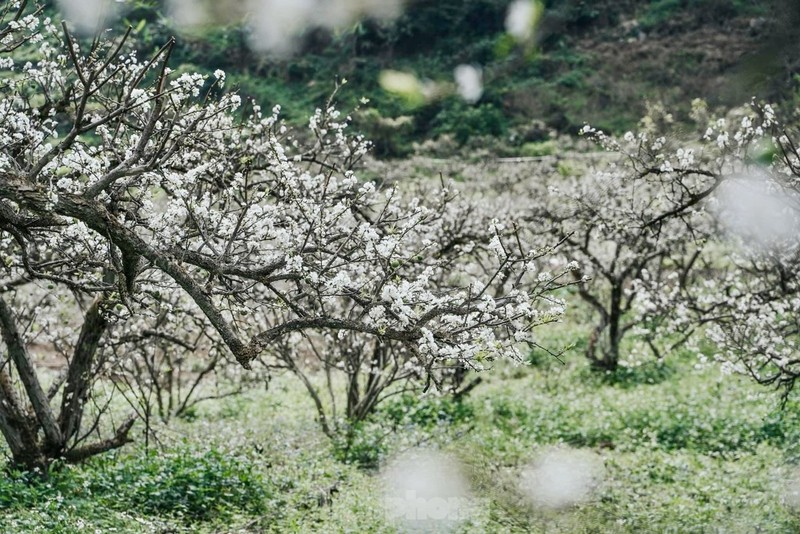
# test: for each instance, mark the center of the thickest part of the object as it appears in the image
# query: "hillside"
(601, 62)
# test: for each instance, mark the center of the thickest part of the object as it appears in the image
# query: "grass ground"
(683, 449)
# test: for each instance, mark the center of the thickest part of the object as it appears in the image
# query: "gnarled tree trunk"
(37, 434)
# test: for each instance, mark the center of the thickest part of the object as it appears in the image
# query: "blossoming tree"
(714, 245)
(640, 226)
(744, 291)
(139, 210)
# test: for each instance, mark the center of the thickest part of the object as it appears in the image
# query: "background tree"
(744, 291)
(638, 221)
(453, 245)
(727, 216)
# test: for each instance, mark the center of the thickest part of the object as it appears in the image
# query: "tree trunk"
(35, 436)
(79, 376)
(608, 334)
(27, 375)
(18, 427)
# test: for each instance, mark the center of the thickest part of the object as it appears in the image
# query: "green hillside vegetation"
(600, 62)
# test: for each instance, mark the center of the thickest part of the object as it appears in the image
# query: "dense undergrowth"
(682, 448)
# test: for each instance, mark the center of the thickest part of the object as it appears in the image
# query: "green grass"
(683, 449)
(695, 452)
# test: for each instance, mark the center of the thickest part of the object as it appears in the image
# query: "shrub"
(427, 412)
(465, 122)
(197, 485)
(189, 484)
(362, 443)
(543, 148)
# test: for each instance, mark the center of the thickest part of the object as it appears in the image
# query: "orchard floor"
(681, 449)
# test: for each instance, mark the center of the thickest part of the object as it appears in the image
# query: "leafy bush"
(191, 484)
(427, 412)
(464, 122)
(447, 25)
(542, 148)
(649, 372)
(660, 12)
(390, 136)
(362, 444)
(365, 443)
(188, 484)
(23, 488)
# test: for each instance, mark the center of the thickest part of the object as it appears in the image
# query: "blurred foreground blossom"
(88, 16)
(759, 212)
(561, 478)
(522, 17)
(427, 491)
(791, 490)
(276, 25)
(469, 81)
(195, 13)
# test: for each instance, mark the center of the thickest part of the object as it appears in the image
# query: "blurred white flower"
(187, 13)
(756, 210)
(469, 80)
(561, 478)
(791, 490)
(87, 16)
(521, 18)
(425, 490)
(276, 24)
